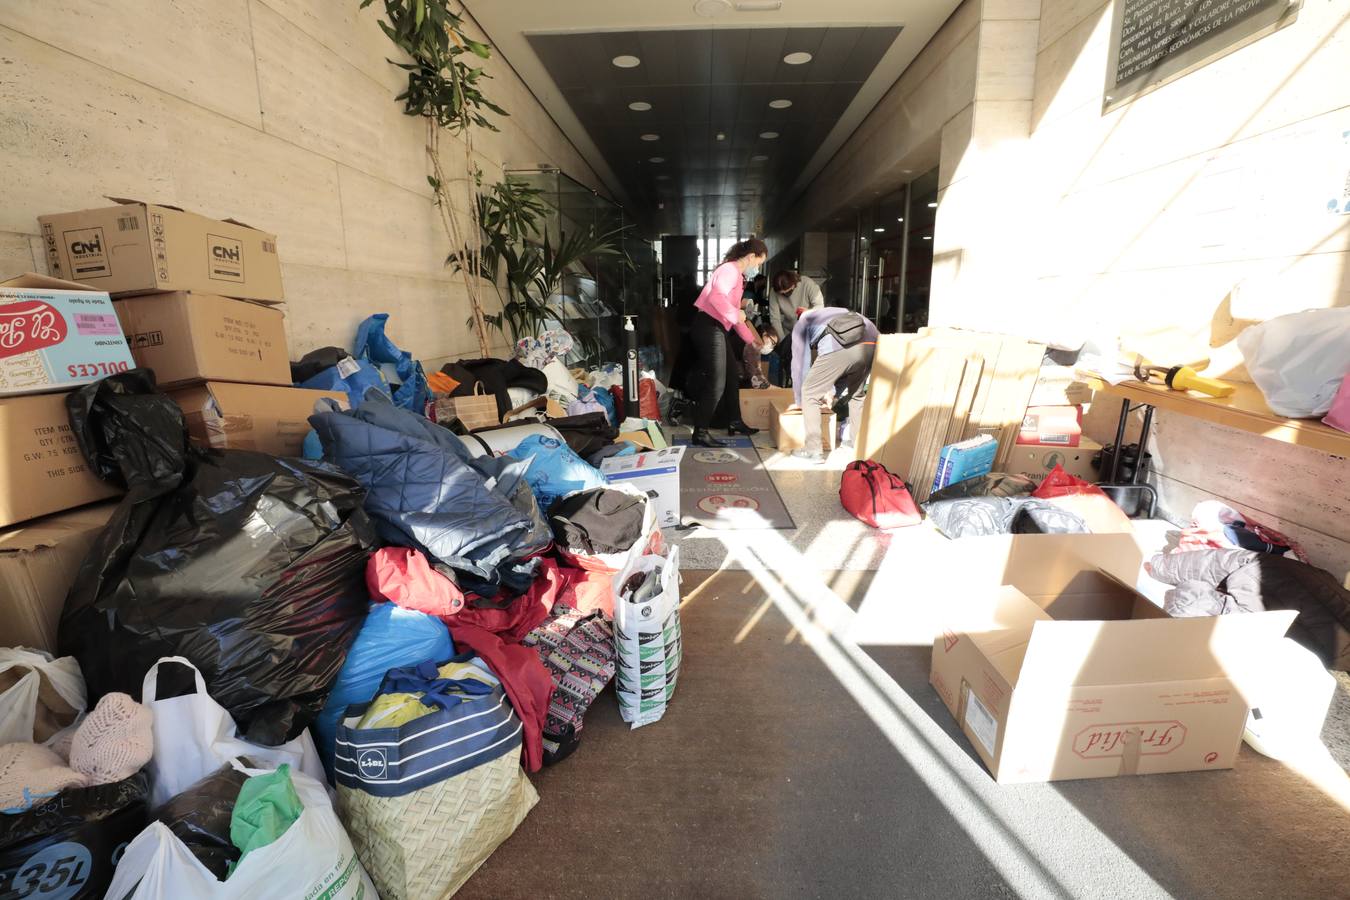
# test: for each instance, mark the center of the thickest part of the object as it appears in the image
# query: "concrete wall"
(279, 113)
(1177, 221)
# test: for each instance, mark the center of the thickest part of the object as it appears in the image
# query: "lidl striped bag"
(429, 778)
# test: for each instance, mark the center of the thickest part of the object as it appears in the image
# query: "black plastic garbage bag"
(68, 847)
(200, 817)
(250, 566)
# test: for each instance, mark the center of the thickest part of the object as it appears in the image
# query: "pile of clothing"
(249, 629)
(999, 503)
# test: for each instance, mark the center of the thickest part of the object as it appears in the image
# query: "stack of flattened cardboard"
(941, 386)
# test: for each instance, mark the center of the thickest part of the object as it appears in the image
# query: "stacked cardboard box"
(1052, 430)
(197, 300)
(941, 386)
(54, 336)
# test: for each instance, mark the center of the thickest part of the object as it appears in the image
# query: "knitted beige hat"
(30, 774)
(114, 741)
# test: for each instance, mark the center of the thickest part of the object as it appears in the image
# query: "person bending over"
(832, 349)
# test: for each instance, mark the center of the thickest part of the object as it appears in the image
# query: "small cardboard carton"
(1055, 426)
(42, 470)
(1066, 672)
(55, 335)
(1037, 462)
(656, 474)
(787, 429)
(38, 563)
(136, 247)
(260, 417)
(196, 337)
(757, 405)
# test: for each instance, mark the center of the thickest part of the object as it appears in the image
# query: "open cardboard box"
(1065, 671)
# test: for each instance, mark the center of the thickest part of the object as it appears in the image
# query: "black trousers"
(716, 372)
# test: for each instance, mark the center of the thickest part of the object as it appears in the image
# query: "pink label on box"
(97, 324)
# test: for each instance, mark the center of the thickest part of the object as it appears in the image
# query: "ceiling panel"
(702, 82)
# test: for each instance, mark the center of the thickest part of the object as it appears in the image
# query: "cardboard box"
(196, 337)
(136, 247)
(757, 405)
(1066, 672)
(1037, 462)
(260, 417)
(787, 429)
(55, 335)
(38, 564)
(1051, 426)
(656, 474)
(41, 468)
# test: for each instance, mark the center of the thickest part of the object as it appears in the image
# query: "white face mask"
(752, 272)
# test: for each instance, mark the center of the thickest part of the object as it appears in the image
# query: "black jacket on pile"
(495, 375)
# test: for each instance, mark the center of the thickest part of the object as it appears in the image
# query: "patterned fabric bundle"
(578, 651)
(428, 799)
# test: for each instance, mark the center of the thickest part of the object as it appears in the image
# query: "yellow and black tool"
(1182, 378)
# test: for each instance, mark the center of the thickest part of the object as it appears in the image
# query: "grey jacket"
(1218, 582)
(783, 310)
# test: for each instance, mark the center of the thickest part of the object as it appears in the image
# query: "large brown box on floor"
(757, 405)
(261, 417)
(1036, 461)
(941, 386)
(135, 247)
(787, 429)
(1064, 671)
(198, 337)
(38, 563)
(41, 468)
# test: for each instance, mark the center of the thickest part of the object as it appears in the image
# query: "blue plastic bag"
(556, 470)
(391, 637)
(604, 398)
(373, 344)
(355, 378)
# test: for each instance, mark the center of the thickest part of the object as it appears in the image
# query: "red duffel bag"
(871, 493)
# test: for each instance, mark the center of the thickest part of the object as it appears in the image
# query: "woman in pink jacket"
(716, 369)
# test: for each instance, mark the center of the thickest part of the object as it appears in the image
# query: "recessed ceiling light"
(932, 205)
(657, 137)
(759, 158)
(721, 136)
(799, 58)
(779, 104)
(899, 220)
(878, 229)
(927, 237)
(657, 159)
(639, 106)
(626, 62)
(768, 135)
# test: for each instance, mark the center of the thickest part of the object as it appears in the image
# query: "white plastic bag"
(314, 858)
(195, 735)
(647, 641)
(1299, 360)
(37, 677)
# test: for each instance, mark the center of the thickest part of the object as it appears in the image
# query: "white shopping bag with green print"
(647, 635)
